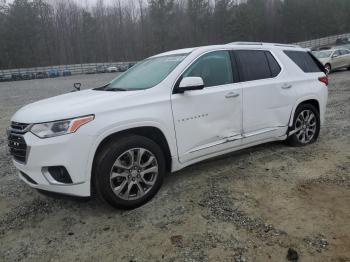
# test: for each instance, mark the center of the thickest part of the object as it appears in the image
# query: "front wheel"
(129, 171)
(306, 126)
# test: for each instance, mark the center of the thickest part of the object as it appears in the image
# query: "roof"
(239, 45)
(264, 44)
(177, 52)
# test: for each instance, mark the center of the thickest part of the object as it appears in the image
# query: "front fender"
(124, 127)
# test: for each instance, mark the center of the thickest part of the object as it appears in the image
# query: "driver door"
(208, 121)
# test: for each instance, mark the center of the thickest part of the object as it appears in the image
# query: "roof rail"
(264, 44)
(245, 43)
(288, 45)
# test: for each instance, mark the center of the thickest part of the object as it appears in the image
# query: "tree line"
(38, 33)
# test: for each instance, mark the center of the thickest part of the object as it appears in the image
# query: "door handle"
(231, 95)
(286, 86)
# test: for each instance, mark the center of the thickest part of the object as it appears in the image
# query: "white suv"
(167, 112)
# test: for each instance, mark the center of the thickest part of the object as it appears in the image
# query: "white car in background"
(112, 69)
(334, 59)
(165, 113)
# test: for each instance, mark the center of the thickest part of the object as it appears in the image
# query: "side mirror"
(77, 86)
(335, 56)
(190, 83)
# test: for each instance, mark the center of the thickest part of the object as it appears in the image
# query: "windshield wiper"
(108, 88)
(115, 89)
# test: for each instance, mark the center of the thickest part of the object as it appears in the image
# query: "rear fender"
(297, 103)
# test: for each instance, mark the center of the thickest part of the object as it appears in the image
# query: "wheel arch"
(310, 100)
(330, 66)
(148, 131)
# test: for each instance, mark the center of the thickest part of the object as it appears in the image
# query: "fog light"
(57, 175)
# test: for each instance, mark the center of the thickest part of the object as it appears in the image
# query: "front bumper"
(71, 151)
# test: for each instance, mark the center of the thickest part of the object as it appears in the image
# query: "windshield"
(323, 54)
(145, 74)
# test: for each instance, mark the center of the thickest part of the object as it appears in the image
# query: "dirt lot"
(251, 205)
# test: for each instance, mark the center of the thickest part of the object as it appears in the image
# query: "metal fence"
(73, 69)
(329, 40)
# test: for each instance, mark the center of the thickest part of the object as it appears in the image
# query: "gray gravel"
(251, 205)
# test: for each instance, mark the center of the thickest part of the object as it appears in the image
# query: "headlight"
(61, 127)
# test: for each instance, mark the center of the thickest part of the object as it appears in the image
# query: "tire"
(118, 166)
(328, 68)
(308, 126)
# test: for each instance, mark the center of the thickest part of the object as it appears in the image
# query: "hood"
(69, 105)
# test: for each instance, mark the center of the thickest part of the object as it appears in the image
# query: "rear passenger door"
(345, 58)
(267, 99)
(337, 60)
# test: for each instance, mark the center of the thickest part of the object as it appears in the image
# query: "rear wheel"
(306, 125)
(328, 68)
(129, 171)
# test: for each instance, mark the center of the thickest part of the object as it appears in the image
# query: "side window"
(337, 53)
(305, 61)
(214, 68)
(343, 52)
(274, 66)
(253, 64)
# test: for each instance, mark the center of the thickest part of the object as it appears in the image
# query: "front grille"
(16, 143)
(19, 128)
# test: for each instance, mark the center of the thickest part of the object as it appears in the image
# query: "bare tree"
(38, 33)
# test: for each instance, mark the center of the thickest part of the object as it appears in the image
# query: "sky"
(107, 2)
(86, 2)
(90, 3)
(93, 2)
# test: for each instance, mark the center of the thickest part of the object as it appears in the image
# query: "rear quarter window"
(274, 66)
(305, 61)
(256, 64)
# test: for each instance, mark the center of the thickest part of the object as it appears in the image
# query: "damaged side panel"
(207, 121)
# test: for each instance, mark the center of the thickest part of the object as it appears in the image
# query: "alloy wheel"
(305, 126)
(328, 69)
(134, 173)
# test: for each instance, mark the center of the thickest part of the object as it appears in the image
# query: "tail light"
(324, 79)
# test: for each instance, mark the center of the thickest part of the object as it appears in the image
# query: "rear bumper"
(71, 151)
(323, 105)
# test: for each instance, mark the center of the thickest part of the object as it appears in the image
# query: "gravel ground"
(258, 204)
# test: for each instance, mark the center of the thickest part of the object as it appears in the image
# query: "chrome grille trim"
(19, 128)
(17, 145)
